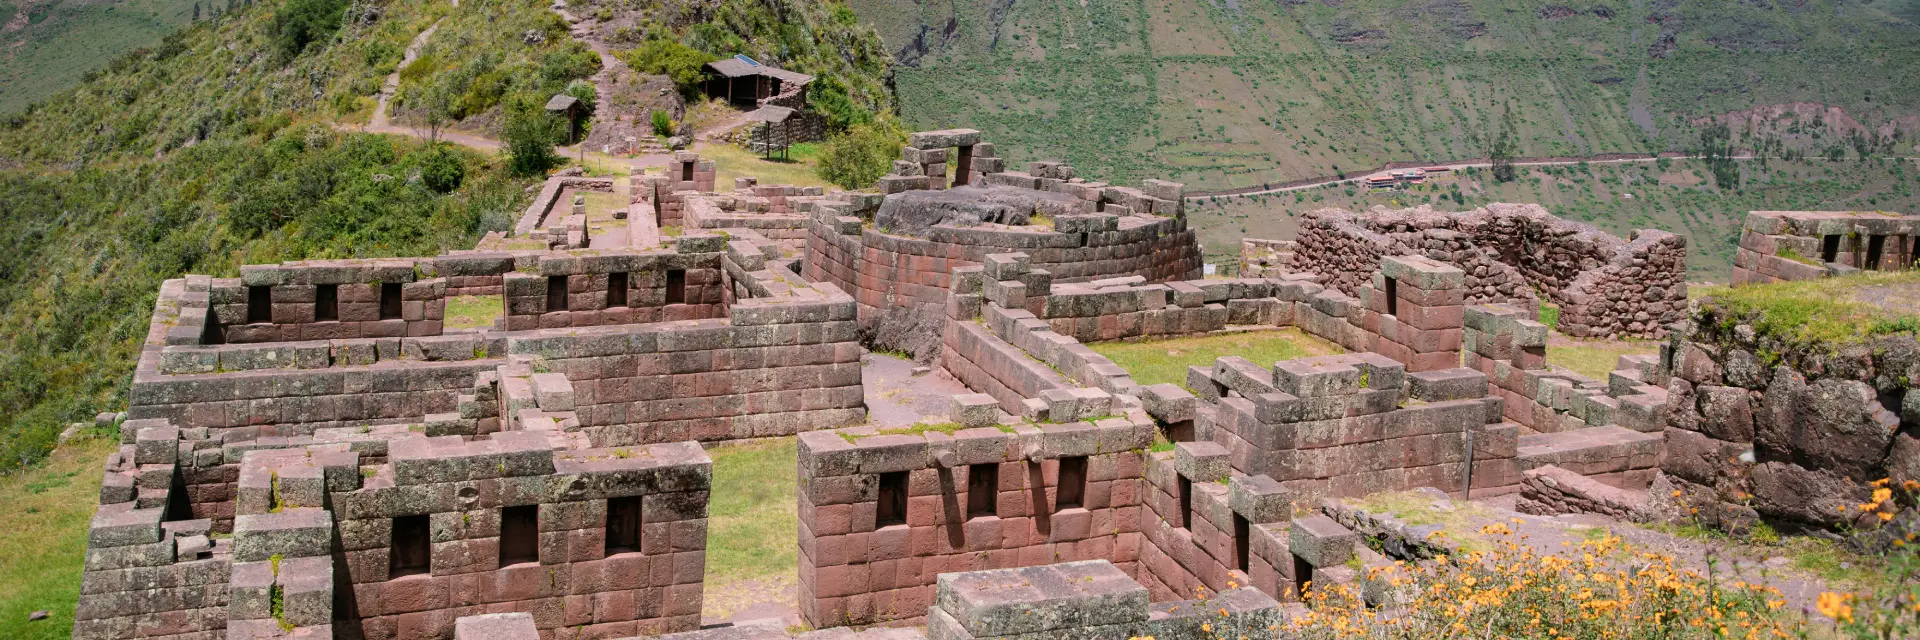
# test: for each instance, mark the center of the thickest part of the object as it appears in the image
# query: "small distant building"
(568, 107)
(745, 83)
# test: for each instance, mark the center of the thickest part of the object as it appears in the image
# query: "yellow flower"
(1834, 605)
(1882, 494)
(1884, 516)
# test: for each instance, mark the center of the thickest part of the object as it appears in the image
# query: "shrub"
(662, 123)
(300, 23)
(441, 169)
(676, 61)
(529, 135)
(856, 158)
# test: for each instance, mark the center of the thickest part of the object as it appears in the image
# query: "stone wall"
(898, 252)
(654, 291)
(1778, 246)
(328, 539)
(861, 566)
(1760, 426)
(1603, 285)
(782, 356)
(1265, 258)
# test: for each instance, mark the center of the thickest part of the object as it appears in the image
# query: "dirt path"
(897, 397)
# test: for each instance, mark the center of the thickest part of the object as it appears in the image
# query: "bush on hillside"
(676, 61)
(530, 134)
(859, 156)
(441, 169)
(300, 23)
(662, 123)
(829, 98)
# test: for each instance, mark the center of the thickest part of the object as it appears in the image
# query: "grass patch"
(1418, 509)
(1549, 315)
(1595, 358)
(473, 312)
(753, 521)
(1826, 311)
(922, 428)
(42, 548)
(732, 162)
(1157, 361)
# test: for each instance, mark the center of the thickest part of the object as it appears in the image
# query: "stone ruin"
(1516, 254)
(309, 451)
(1804, 245)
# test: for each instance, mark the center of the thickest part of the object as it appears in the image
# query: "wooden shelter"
(743, 82)
(773, 130)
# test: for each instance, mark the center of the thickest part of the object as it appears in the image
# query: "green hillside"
(205, 152)
(1229, 93)
(48, 45)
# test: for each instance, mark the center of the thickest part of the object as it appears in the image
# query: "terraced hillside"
(1229, 93)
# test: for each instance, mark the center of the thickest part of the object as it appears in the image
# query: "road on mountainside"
(1454, 166)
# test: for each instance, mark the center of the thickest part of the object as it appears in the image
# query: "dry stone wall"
(1758, 427)
(1778, 246)
(1603, 285)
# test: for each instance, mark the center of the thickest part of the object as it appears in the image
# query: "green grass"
(1157, 361)
(1461, 522)
(1595, 358)
(734, 162)
(473, 312)
(753, 521)
(43, 545)
(1826, 311)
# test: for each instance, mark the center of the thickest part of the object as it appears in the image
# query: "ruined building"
(310, 451)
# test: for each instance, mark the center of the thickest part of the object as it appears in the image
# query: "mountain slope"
(49, 45)
(1230, 93)
(210, 151)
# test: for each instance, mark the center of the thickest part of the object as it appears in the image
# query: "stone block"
(1260, 499)
(290, 533)
(1447, 384)
(496, 626)
(1033, 600)
(1321, 542)
(1201, 461)
(975, 410)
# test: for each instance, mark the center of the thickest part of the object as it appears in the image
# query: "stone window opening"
(1829, 248)
(1185, 489)
(326, 303)
(410, 551)
(1876, 247)
(1242, 540)
(676, 286)
(389, 301)
(686, 171)
(259, 305)
(519, 534)
(1302, 574)
(1393, 297)
(623, 525)
(616, 289)
(892, 508)
(983, 490)
(1181, 431)
(962, 165)
(556, 293)
(1072, 484)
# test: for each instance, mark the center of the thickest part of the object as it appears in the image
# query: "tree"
(1716, 150)
(196, 12)
(431, 103)
(530, 133)
(679, 62)
(859, 156)
(1501, 146)
(299, 23)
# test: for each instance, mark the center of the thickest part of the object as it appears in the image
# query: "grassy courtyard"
(473, 312)
(42, 547)
(1157, 361)
(753, 526)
